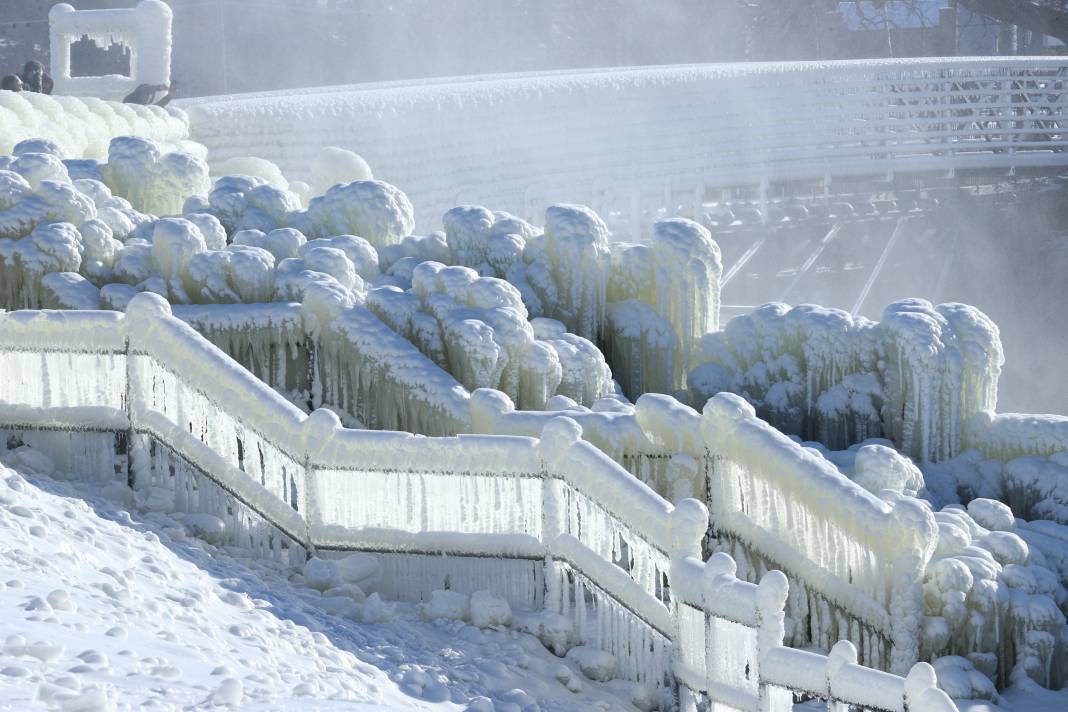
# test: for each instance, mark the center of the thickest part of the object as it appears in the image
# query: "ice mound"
(334, 165)
(154, 182)
(916, 377)
(82, 127)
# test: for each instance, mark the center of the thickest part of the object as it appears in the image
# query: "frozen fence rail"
(551, 522)
(731, 653)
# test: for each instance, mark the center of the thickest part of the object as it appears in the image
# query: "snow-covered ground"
(108, 608)
(105, 608)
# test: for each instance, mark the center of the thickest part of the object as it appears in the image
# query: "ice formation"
(84, 126)
(645, 304)
(336, 165)
(153, 182)
(144, 29)
(917, 377)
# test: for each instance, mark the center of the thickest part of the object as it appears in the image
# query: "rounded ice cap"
(557, 437)
(37, 145)
(336, 165)
(563, 222)
(148, 306)
(689, 523)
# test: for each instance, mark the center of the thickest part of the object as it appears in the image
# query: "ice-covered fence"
(551, 522)
(63, 388)
(1004, 436)
(268, 339)
(730, 653)
(205, 435)
(688, 128)
(144, 29)
(195, 411)
(864, 557)
(856, 562)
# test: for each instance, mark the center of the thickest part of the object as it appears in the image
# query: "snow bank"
(130, 608)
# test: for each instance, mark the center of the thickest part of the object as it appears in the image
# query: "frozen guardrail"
(730, 652)
(858, 562)
(690, 128)
(1004, 436)
(191, 430)
(198, 433)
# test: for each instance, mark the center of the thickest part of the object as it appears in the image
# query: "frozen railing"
(857, 561)
(862, 554)
(700, 127)
(204, 434)
(1004, 436)
(197, 427)
(730, 653)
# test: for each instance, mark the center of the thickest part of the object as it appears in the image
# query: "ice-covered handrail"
(861, 553)
(730, 651)
(701, 126)
(187, 404)
(556, 497)
(1004, 436)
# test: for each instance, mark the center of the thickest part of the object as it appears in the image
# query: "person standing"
(35, 78)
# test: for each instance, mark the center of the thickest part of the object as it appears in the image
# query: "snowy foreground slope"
(104, 609)
(107, 610)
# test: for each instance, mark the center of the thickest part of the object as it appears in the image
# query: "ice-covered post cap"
(933, 700)
(148, 306)
(921, 677)
(319, 428)
(557, 437)
(842, 653)
(689, 522)
(487, 406)
(729, 405)
(322, 422)
(719, 564)
(922, 693)
(772, 591)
